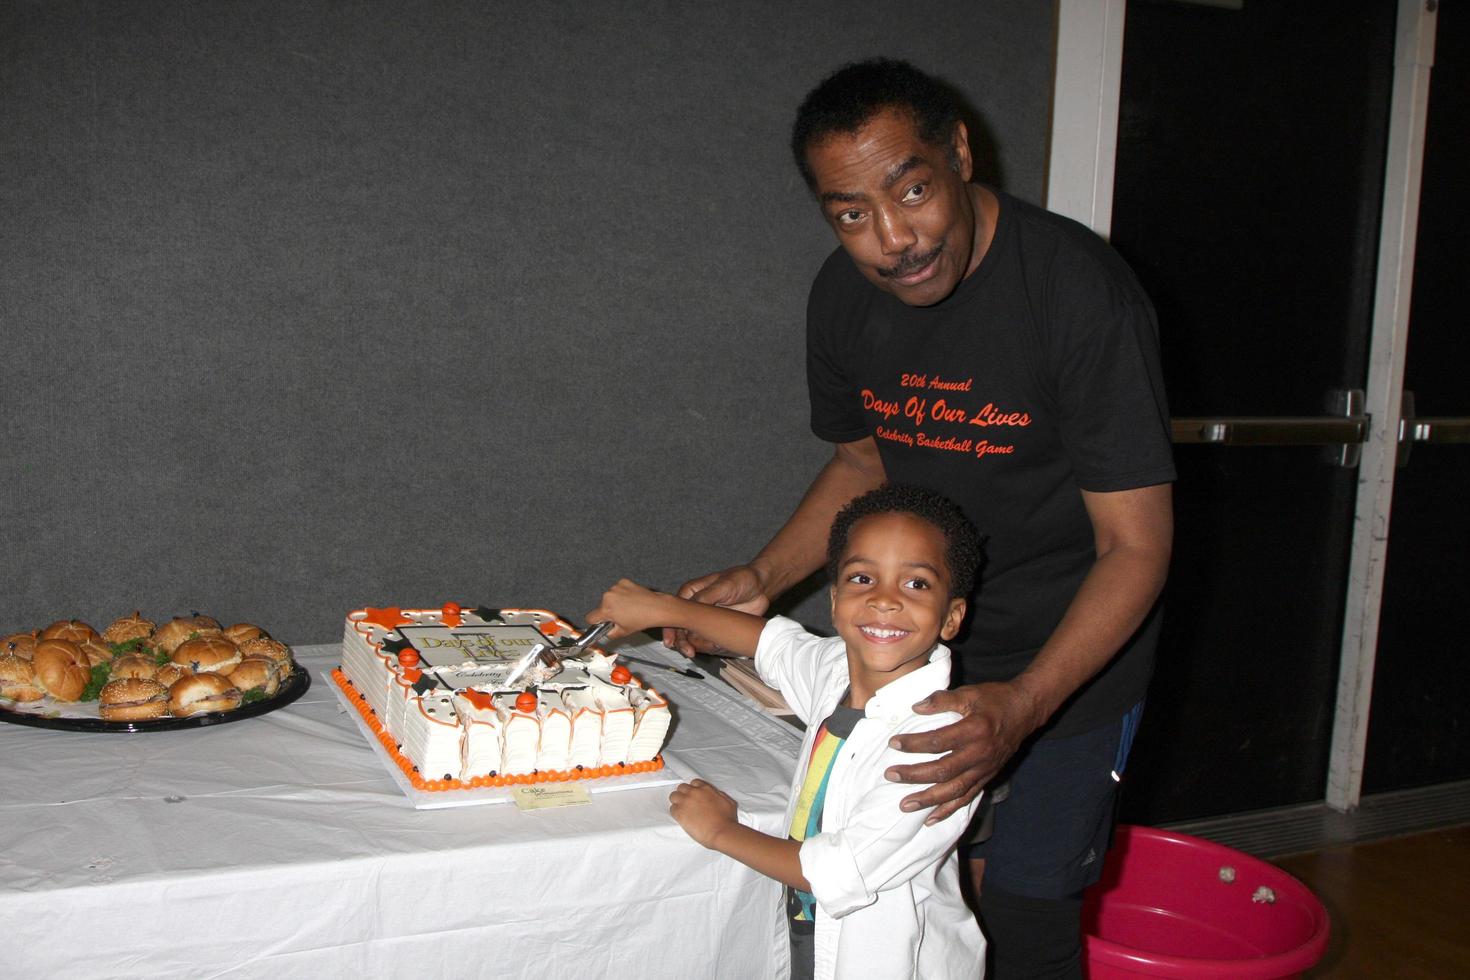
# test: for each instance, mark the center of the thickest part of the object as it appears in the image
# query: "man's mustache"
(908, 265)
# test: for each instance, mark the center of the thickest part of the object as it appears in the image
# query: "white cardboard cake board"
(673, 772)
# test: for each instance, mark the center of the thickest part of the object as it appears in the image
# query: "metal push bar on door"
(1343, 432)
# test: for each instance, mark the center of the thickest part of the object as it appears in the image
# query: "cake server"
(596, 631)
(590, 636)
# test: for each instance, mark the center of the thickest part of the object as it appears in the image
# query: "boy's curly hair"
(962, 543)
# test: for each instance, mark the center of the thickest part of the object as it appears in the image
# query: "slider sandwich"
(264, 646)
(22, 645)
(62, 669)
(257, 673)
(169, 674)
(70, 629)
(18, 680)
(201, 694)
(135, 665)
(171, 634)
(133, 699)
(127, 628)
(97, 652)
(208, 654)
(241, 632)
(83, 636)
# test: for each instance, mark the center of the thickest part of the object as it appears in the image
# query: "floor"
(1400, 908)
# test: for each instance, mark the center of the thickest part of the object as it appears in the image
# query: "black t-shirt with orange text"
(1038, 377)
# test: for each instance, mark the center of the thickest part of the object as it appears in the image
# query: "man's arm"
(797, 550)
(1133, 532)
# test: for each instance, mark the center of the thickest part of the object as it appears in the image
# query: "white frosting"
(618, 721)
(601, 666)
(431, 736)
(652, 712)
(586, 745)
(400, 694)
(480, 755)
(556, 732)
(365, 667)
(520, 740)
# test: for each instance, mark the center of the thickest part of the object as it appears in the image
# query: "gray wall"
(308, 305)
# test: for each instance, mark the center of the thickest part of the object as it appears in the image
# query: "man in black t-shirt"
(1006, 357)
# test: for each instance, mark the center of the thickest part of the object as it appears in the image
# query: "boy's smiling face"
(891, 599)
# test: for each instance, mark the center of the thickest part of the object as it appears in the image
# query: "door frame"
(1081, 156)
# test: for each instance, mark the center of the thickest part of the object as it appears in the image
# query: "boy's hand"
(703, 811)
(629, 606)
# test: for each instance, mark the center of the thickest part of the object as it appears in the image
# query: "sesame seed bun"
(126, 628)
(264, 646)
(132, 699)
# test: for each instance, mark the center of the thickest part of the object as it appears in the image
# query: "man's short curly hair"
(962, 544)
(854, 93)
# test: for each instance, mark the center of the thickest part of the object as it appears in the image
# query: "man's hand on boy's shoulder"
(997, 717)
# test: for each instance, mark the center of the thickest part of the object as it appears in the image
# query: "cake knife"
(686, 671)
(541, 651)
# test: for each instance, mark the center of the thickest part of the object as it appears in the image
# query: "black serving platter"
(293, 688)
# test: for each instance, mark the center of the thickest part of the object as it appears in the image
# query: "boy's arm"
(709, 816)
(632, 607)
(774, 857)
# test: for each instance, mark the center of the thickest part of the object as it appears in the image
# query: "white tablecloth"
(279, 847)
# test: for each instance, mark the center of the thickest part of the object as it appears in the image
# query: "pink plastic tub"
(1170, 905)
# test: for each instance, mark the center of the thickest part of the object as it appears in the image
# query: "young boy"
(871, 891)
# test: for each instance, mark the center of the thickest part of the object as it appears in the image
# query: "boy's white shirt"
(886, 886)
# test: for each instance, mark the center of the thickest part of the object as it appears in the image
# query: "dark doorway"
(1249, 175)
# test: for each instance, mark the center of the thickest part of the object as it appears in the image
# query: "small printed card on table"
(548, 797)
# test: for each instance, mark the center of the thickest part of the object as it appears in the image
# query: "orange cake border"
(416, 779)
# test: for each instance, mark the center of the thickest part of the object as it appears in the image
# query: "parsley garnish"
(100, 673)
